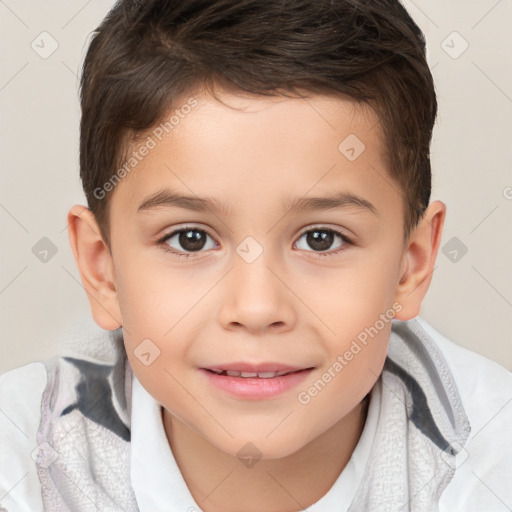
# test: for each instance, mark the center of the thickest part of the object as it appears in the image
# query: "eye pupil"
(192, 240)
(320, 240)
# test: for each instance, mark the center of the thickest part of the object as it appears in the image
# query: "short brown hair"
(146, 53)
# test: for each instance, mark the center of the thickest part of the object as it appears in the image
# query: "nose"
(255, 297)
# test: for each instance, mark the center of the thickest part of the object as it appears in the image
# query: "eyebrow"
(170, 199)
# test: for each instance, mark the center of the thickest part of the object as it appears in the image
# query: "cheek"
(358, 309)
(153, 318)
(356, 296)
(376, 278)
(151, 296)
(350, 373)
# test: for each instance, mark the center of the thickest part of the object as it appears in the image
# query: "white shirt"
(481, 482)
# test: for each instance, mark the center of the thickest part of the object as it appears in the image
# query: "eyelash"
(161, 241)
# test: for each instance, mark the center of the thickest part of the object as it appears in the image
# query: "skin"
(289, 305)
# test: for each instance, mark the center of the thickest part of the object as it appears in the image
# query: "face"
(298, 252)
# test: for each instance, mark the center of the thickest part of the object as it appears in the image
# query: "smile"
(254, 385)
(245, 375)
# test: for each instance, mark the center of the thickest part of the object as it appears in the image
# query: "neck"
(219, 482)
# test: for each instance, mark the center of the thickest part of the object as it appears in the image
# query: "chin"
(258, 447)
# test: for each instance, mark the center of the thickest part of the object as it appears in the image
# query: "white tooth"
(266, 375)
(248, 374)
(233, 373)
(282, 373)
(218, 372)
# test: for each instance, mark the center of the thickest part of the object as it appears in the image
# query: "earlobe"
(95, 265)
(420, 258)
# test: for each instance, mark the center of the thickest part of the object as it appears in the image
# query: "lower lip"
(255, 388)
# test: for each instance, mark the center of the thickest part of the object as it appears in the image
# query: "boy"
(257, 246)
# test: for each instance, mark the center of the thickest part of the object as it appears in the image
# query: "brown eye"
(187, 240)
(322, 239)
(192, 240)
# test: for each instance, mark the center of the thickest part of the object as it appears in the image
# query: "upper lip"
(256, 368)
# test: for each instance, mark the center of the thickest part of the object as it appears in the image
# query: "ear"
(419, 260)
(94, 262)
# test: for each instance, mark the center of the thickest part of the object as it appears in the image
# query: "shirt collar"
(156, 478)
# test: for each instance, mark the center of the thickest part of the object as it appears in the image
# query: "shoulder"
(483, 384)
(21, 390)
(484, 465)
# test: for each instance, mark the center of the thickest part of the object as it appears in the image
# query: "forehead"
(246, 147)
(295, 118)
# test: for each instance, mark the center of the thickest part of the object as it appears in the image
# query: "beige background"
(470, 299)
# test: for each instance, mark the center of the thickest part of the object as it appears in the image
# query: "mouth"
(252, 375)
(255, 382)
